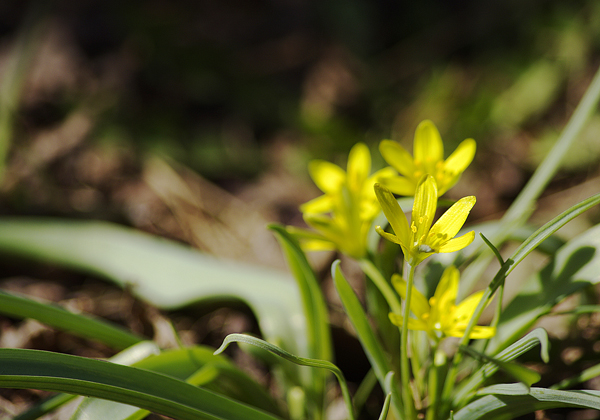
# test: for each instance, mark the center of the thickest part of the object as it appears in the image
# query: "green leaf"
(148, 390)
(575, 266)
(370, 344)
(386, 407)
(82, 325)
(162, 272)
(514, 402)
(302, 361)
(197, 366)
(584, 376)
(468, 387)
(550, 228)
(315, 310)
(126, 357)
(524, 375)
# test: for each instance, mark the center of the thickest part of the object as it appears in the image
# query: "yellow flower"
(429, 159)
(441, 317)
(342, 216)
(421, 239)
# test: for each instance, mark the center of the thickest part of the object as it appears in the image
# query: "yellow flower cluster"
(342, 217)
(440, 316)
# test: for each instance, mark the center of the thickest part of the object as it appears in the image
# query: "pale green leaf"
(162, 272)
(468, 387)
(513, 402)
(550, 228)
(575, 266)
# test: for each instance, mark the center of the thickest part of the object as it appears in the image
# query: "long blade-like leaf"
(315, 310)
(550, 228)
(152, 391)
(161, 272)
(55, 316)
(128, 356)
(512, 402)
(196, 365)
(467, 388)
(575, 266)
(370, 344)
(302, 361)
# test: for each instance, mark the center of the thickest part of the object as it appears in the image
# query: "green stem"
(434, 388)
(523, 205)
(382, 284)
(409, 406)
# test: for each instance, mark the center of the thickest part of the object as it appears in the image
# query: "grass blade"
(513, 402)
(370, 344)
(149, 390)
(82, 325)
(575, 266)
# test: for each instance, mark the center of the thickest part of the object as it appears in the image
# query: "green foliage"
(152, 391)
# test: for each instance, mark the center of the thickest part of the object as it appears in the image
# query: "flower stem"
(409, 405)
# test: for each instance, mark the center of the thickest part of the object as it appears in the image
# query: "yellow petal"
(445, 296)
(428, 146)
(396, 156)
(462, 157)
(451, 221)
(393, 213)
(459, 243)
(424, 205)
(477, 332)
(327, 176)
(418, 302)
(413, 324)
(379, 176)
(317, 245)
(482, 332)
(359, 166)
(400, 185)
(392, 238)
(322, 204)
(464, 311)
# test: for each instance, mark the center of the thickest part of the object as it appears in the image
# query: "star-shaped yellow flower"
(441, 316)
(429, 159)
(342, 216)
(421, 239)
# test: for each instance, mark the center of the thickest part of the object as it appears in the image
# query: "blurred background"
(194, 120)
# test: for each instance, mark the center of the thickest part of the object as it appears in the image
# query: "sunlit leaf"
(510, 401)
(575, 266)
(466, 389)
(162, 272)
